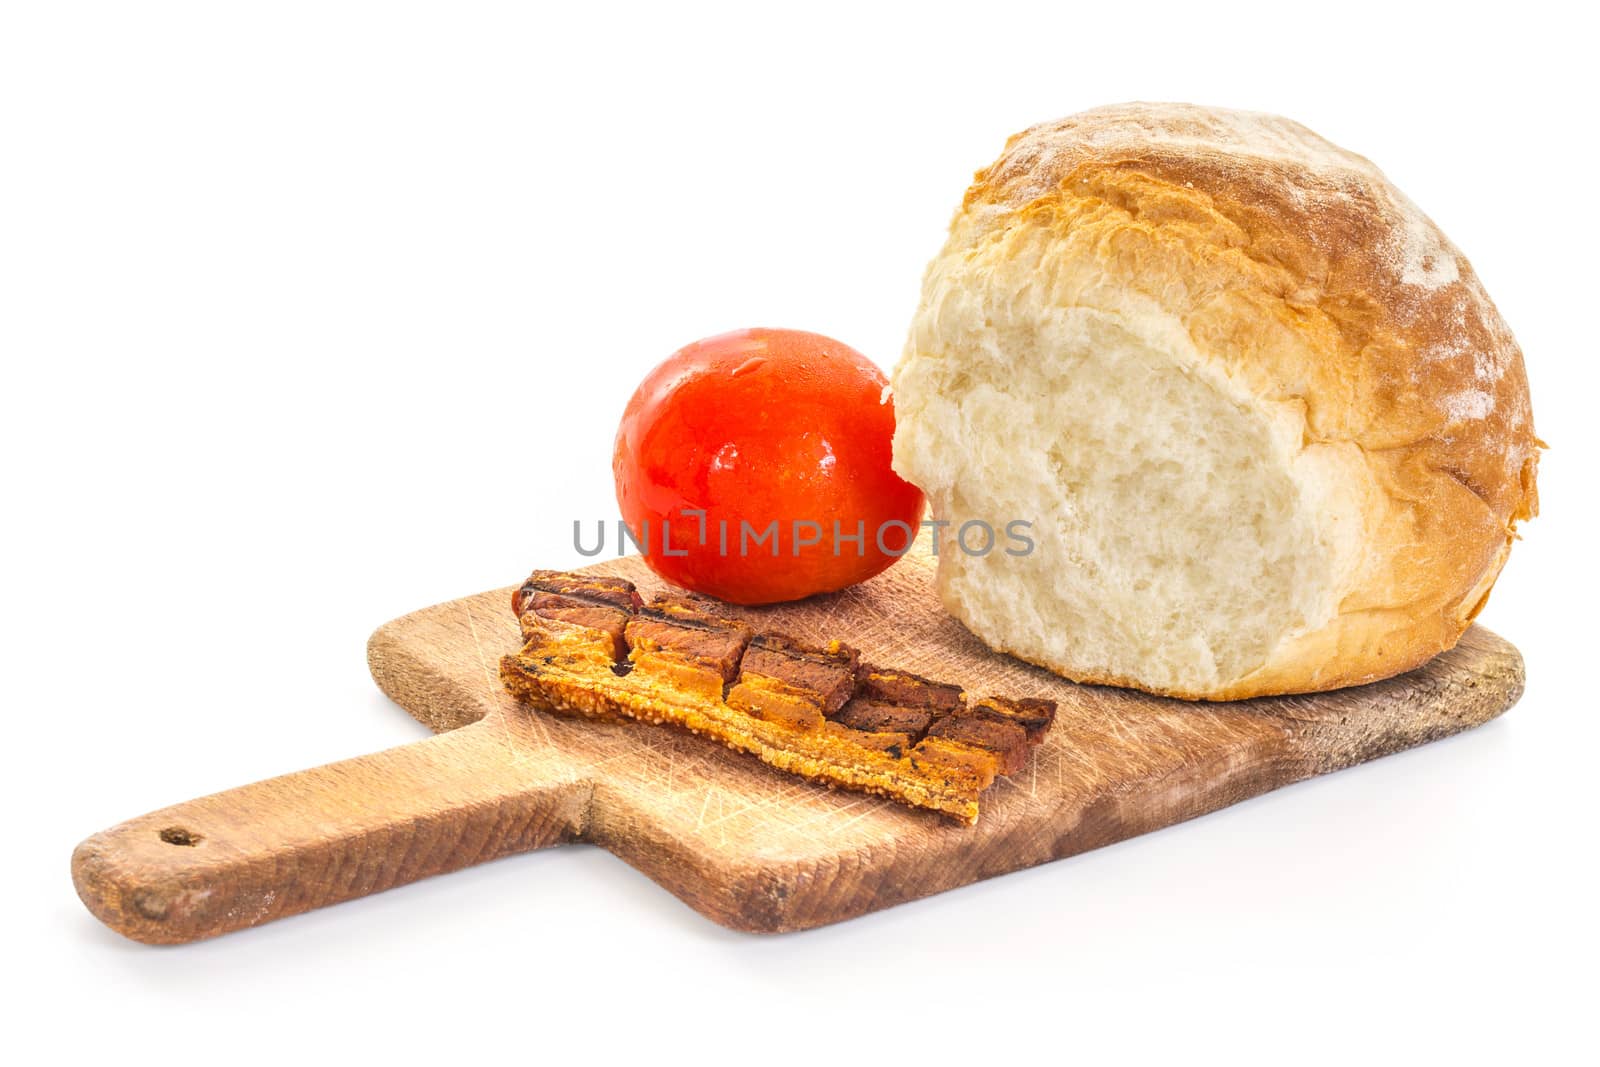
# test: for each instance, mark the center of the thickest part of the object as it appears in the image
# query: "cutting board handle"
(317, 837)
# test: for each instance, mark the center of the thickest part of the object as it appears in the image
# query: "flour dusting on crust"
(1315, 172)
(1419, 254)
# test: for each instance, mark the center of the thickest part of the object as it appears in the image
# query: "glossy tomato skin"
(753, 427)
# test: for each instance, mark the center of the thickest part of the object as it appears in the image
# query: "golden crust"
(1305, 276)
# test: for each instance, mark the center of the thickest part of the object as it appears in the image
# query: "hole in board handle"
(177, 835)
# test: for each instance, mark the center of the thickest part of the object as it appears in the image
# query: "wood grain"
(743, 844)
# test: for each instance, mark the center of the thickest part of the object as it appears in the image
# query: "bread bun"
(1269, 430)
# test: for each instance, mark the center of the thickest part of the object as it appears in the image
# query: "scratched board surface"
(759, 850)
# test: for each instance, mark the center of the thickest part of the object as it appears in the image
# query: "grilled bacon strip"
(593, 648)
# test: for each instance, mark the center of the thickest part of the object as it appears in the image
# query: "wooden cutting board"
(745, 845)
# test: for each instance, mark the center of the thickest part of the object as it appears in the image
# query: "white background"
(313, 314)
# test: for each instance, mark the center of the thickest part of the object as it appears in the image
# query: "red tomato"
(756, 428)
